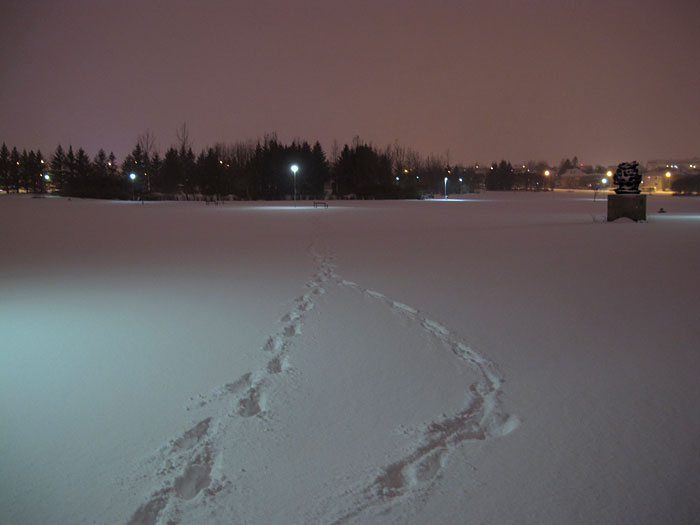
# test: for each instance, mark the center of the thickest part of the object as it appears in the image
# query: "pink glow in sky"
(516, 80)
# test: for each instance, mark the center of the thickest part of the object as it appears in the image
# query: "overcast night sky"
(608, 81)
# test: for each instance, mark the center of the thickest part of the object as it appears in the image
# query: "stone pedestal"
(630, 205)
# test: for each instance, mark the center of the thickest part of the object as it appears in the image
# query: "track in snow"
(186, 469)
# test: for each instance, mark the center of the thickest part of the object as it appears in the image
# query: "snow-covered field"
(503, 358)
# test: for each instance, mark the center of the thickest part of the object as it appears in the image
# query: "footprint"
(239, 384)
(291, 316)
(276, 365)
(292, 329)
(436, 328)
(193, 480)
(250, 405)
(426, 468)
(404, 308)
(274, 344)
(391, 482)
(147, 514)
(193, 436)
(306, 306)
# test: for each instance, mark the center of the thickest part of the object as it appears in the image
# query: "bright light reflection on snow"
(452, 199)
(683, 216)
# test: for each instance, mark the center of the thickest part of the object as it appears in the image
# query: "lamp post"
(294, 169)
(132, 176)
(445, 187)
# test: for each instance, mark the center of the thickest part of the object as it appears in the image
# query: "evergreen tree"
(32, 171)
(155, 165)
(26, 170)
(169, 174)
(14, 171)
(4, 168)
(99, 165)
(112, 169)
(70, 166)
(188, 169)
(42, 172)
(362, 171)
(320, 170)
(58, 168)
(83, 166)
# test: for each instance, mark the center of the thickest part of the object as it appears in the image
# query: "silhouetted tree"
(564, 166)
(99, 165)
(14, 171)
(686, 185)
(362, 171)
(169, 175)
(112, 168)
(70, 167)
(500, 177)
(471, 180)
(188, 174)
(28, 176)
(4, 168)
(58, 168)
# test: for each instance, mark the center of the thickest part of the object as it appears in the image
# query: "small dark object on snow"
(661, 210)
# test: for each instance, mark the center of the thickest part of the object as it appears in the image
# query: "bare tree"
(183, 138)
(146, 141)
(335, 151)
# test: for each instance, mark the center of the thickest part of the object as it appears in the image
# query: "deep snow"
(502, 358)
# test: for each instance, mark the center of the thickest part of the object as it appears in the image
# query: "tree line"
(243, 170)
(260, 170)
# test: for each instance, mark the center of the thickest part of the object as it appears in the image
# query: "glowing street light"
(445, 187)
(132, 176)
(294, 169)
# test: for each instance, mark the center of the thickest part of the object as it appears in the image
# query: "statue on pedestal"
(627, 201)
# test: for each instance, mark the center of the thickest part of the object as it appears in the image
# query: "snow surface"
(501, 358)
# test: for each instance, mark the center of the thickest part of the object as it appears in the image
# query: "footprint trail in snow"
(188, 470)
(416, 472)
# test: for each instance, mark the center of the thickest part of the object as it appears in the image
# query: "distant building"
(576, 178)
(674, 164)
(656, 180)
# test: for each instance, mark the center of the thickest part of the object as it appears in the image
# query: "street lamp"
(445, 187)
(132, 176)
(294, 169)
